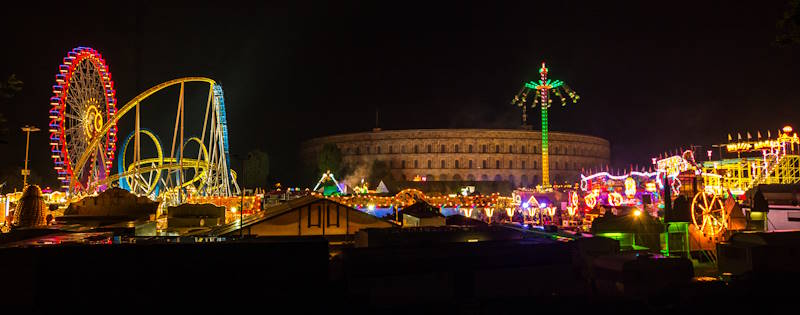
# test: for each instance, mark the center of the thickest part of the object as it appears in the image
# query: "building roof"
(421, 209)
(274, 211)
(458, 133)
(626, 224)
(776, 238)
(461, 220)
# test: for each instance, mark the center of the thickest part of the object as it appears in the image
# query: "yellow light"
(630, 187)
(233, 209)
(787, 129)
(472, 240)
(637, 213)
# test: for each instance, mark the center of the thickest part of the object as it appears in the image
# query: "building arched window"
(429, 148)
(510, 149)
(455, 148)
(443, 164)
(416, 149)
(455, 164)
(497, 148)
(470, 163)
(403, 164)
(416, 164)
(534, 165)
(522, 148)
(430, 164)
(523, 165)
(391, 149)
(441, 150)
(484, 164)
(497, 164)
(378, 149)
(470, 148)
(510, 164)
(483, 148)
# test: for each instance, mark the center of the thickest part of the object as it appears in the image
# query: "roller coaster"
(83, 136)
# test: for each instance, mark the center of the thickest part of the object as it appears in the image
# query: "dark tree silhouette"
(8, 89)
(257, 169)
(330, 159)
(789, 25)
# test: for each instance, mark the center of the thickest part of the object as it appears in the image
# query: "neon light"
(591, 200)
(615, 199)
(542, 90)
(630, 187)
(621, 177)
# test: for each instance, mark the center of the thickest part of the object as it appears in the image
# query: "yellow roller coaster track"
(121, 112)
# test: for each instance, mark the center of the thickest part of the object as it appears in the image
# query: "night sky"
(652, 76)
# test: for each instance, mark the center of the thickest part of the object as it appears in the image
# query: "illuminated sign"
(630, 187)
(764, 144)
(615, 199)
(672, 165)
(738, 147)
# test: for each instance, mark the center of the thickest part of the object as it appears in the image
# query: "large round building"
(468, 154)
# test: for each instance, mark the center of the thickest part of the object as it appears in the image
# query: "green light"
(613, 235)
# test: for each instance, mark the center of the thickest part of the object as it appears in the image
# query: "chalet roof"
(274, 211)
(626, 223)
(776, 238)
(461, 220)
(421, 209)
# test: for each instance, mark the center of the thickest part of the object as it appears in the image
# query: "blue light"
(525, 205)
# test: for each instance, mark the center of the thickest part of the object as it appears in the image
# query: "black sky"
(653, 76)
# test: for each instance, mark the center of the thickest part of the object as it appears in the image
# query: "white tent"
(381, 188)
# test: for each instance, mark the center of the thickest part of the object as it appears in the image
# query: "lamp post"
(25, 172)
(241, 204)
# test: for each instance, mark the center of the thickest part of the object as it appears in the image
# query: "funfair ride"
(542, 90)
(707, 185)
(83, 138)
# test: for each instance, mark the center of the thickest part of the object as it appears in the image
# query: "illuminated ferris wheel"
(83, 101)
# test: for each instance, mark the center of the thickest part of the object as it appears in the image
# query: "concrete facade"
(468, 154)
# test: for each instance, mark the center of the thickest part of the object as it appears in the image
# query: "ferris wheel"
(83, 101)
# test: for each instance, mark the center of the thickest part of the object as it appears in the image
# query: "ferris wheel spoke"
(72, 116)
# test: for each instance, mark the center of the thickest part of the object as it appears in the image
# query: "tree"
(789, 25)
(760, 203)
(330, 159)
(8, 89)
(256, 169)
(379, 172)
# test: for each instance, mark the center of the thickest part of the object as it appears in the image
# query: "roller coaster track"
(212, 171)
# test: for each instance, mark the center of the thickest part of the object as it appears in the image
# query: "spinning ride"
(543, 88)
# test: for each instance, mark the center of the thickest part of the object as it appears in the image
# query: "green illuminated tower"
(543, 88)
